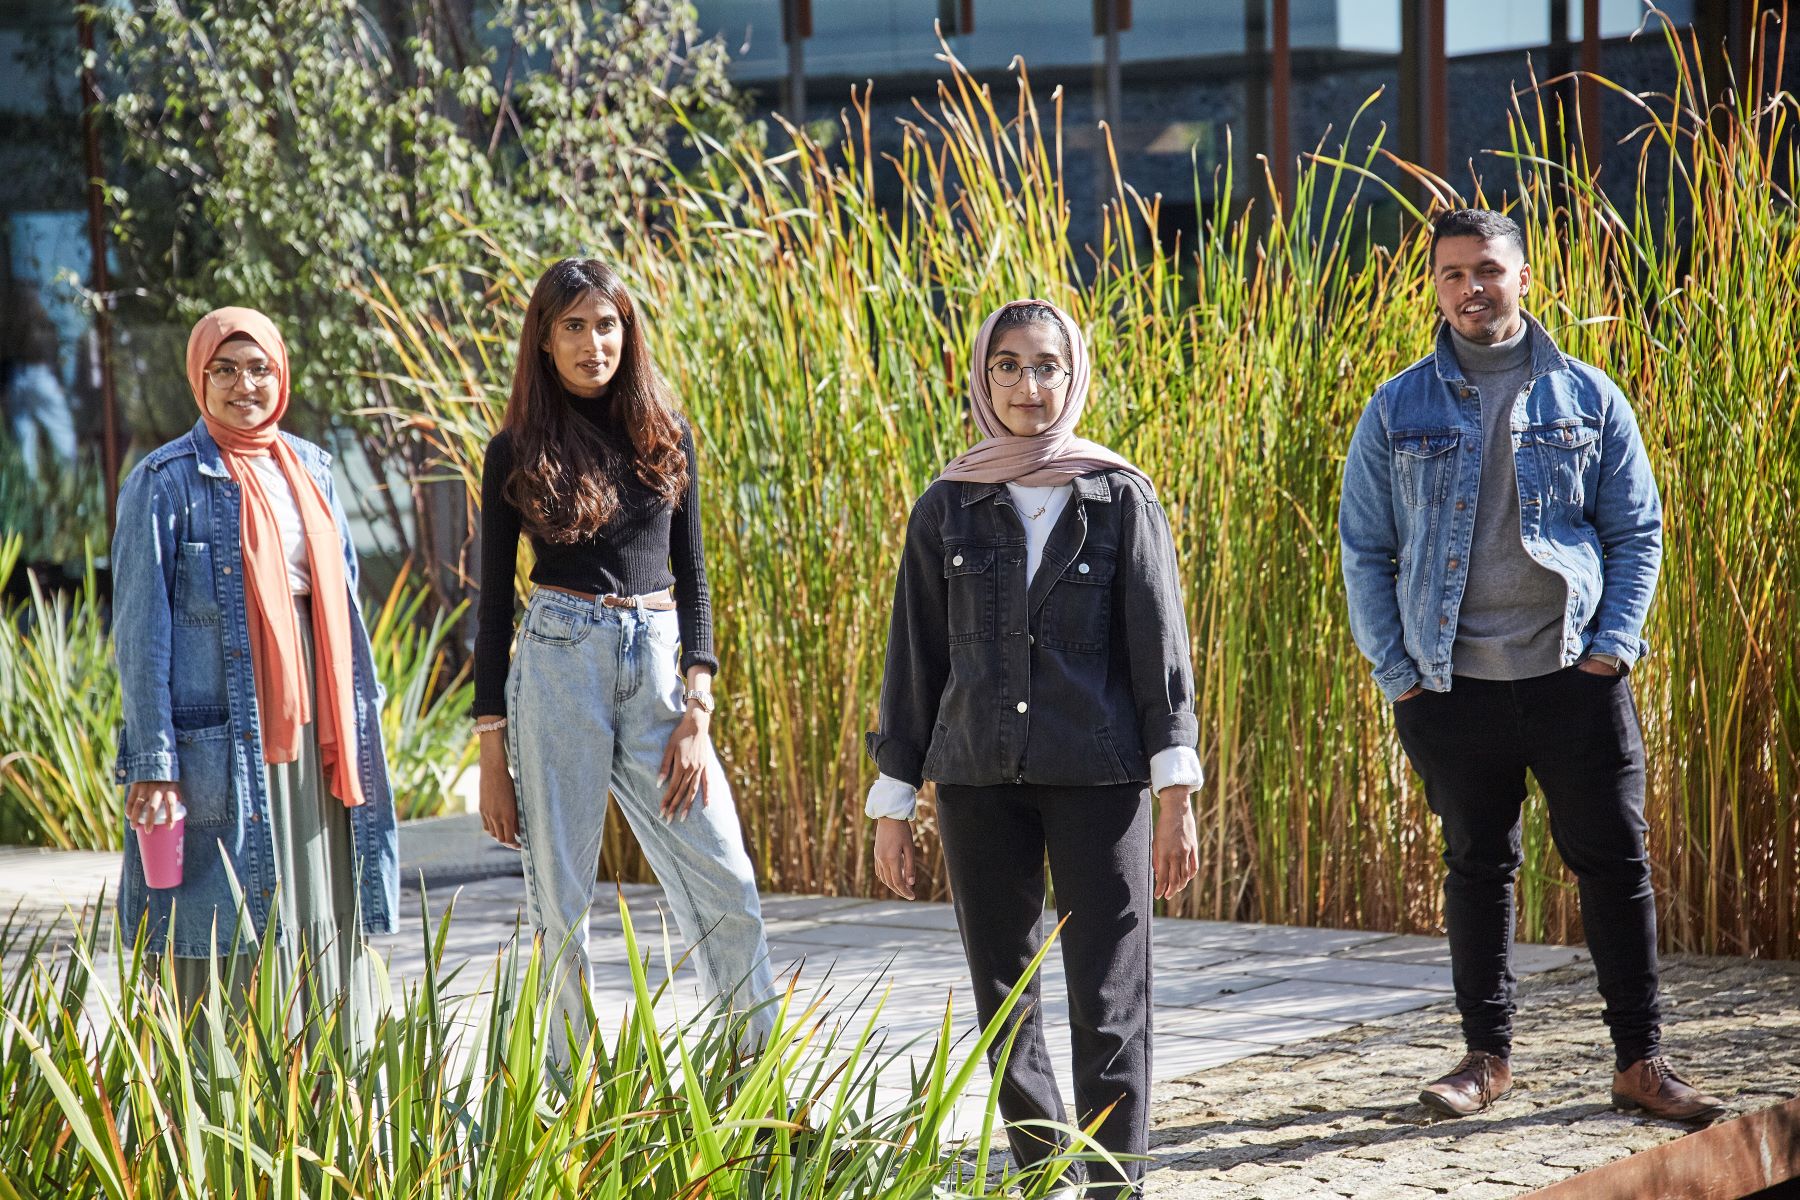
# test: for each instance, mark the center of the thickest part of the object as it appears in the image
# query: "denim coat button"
(957, 561)
(1021, 706)
(1083, 568)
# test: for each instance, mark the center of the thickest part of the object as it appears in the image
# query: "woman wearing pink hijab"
(1038, 673)
(251, 710)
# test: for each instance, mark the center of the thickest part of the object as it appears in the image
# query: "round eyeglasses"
(1048, 375)
(226, 375)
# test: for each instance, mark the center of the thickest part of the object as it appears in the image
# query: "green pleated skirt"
(320, 954)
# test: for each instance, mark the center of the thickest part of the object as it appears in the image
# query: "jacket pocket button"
(1083, 568)
(1021, 706)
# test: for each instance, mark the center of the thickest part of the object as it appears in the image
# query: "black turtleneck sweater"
(646, 547)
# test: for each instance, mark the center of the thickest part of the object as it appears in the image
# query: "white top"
(890, 797)
(1052, 500)
(287, 517)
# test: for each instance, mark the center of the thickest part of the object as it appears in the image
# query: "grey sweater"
(1509, 625)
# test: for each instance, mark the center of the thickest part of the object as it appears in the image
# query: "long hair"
(565, 481)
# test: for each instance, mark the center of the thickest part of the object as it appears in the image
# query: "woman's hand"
(153, 802)
(684, 764)
(894, 855)
(499, 804)
(1175, 848)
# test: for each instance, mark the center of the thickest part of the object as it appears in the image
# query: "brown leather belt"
(663, 601)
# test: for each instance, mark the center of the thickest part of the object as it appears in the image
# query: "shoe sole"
(1623, 1105)
(1438, 1104)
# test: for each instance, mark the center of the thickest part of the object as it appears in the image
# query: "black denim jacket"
(1074, 683)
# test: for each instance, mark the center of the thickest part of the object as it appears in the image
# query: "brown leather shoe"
(1652, 1086)
(1479, 1080)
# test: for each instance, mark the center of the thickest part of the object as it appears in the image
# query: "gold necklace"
(1048, 492)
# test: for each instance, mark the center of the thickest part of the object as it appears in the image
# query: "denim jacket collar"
(1087, 487)
(207, 457)
(210, 460)
(1546, 355)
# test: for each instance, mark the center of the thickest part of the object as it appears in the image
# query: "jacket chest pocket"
(196, 603)
(969, 580)
(1565, 455)
(1424, 464)
(1077, 613)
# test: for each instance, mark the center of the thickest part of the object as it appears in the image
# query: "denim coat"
(182, 639)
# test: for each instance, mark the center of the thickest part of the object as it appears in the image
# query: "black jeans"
(1578, 734)
(1098, 841)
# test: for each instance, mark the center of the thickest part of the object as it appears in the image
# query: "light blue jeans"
(592, 697)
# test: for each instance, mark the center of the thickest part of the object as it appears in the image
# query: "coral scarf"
(1052, 457)
(281, 692)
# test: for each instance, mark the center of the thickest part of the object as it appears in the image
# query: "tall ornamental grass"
(819, 339)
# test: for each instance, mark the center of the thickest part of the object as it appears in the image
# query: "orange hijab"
(281, 693)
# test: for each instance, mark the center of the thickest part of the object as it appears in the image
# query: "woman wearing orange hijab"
(251, 710)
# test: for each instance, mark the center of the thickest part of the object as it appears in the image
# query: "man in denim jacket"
(1502, 534)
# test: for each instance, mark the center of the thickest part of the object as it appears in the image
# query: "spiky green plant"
(111, 1092)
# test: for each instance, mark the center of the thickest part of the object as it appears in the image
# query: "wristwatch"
(703, 699)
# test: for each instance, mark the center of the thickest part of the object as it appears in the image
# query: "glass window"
(1621, 18)
(1166, 29)
(1369, 26)
(1481, 26)
(751, 30)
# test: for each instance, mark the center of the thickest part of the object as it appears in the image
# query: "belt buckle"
(621, 601)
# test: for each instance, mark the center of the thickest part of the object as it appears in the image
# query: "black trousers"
(1578, 734)
(1098, 843)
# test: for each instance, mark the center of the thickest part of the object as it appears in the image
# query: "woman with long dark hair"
(596, 468)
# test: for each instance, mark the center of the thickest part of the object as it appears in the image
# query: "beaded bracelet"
(492, 726)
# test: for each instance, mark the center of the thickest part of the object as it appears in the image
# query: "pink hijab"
(1054, 456)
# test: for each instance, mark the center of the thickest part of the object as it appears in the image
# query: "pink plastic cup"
(160, 846)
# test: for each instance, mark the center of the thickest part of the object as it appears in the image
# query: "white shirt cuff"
(890, 797)
(1176, 765)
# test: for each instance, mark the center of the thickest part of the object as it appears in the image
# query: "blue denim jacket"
(181, 634)
(1588, 506)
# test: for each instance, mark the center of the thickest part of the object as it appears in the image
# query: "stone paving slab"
(1348, 967)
